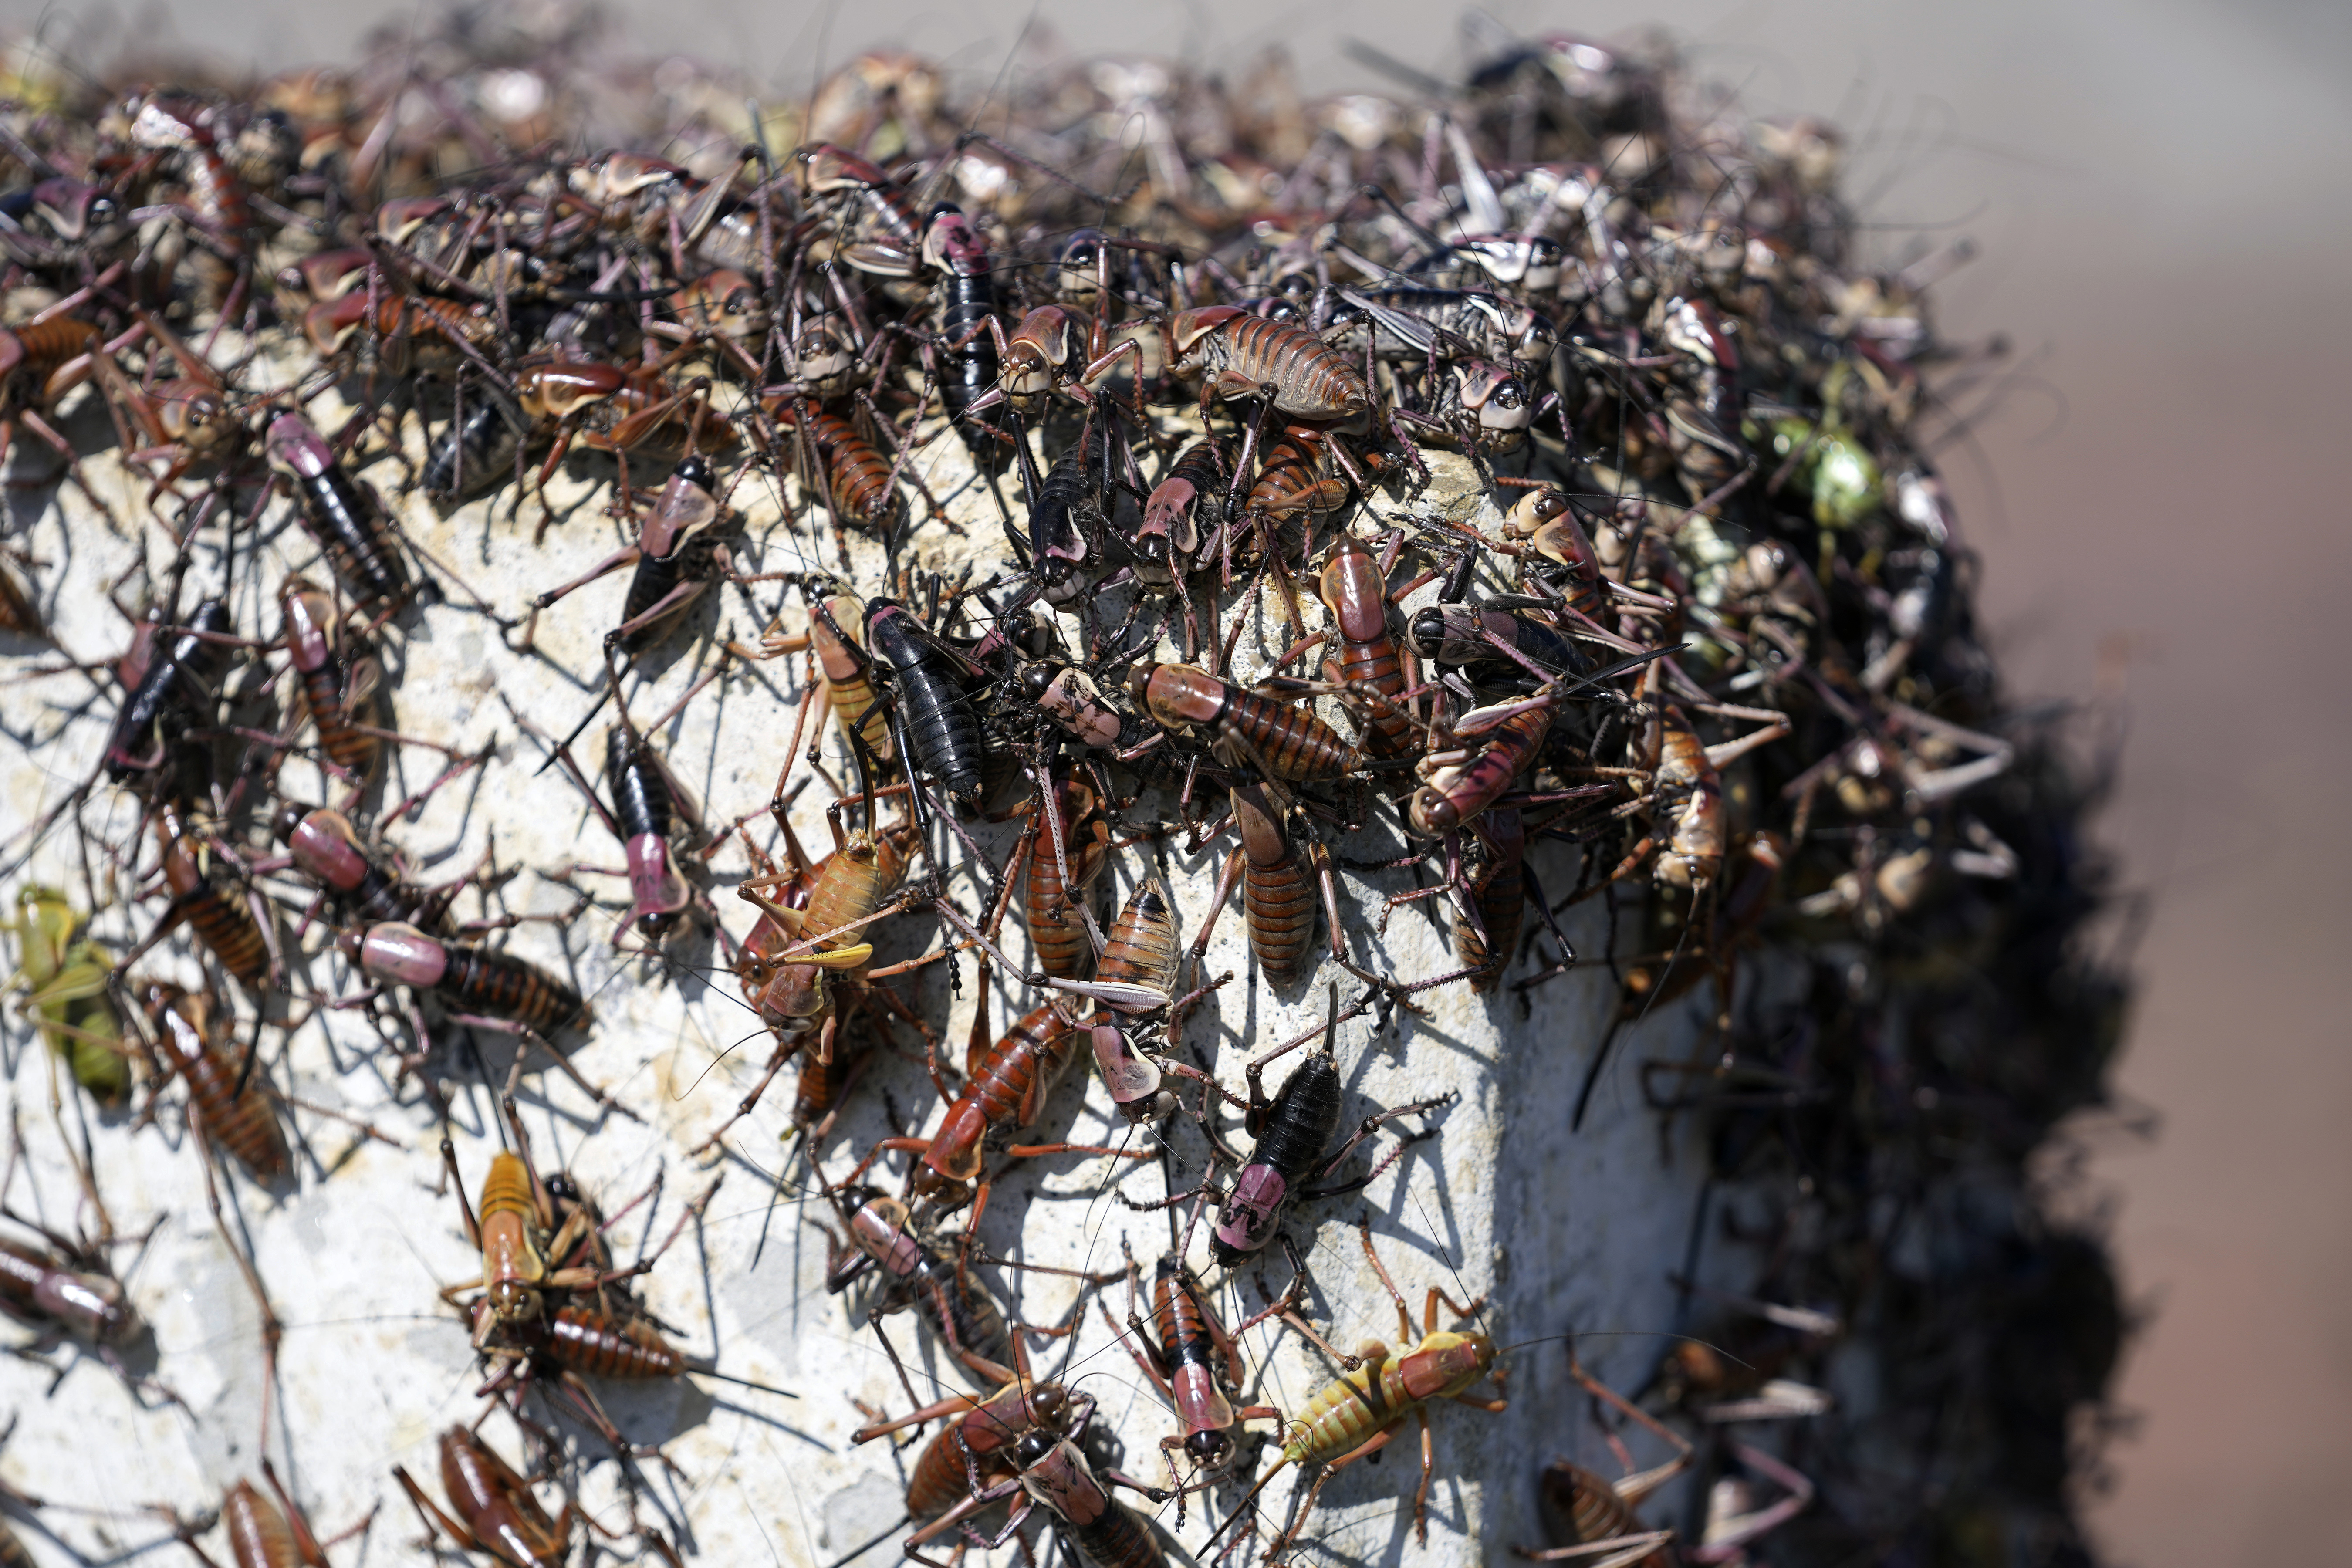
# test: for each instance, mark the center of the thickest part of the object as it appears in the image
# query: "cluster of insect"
(1477, 510)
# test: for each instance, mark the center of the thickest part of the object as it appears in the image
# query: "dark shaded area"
(1891, 1182)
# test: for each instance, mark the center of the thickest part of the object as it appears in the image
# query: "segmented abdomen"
(852, 885)
(242, 1123)
(968, 299)
(226, 929)
(48, 345)
(940, 726)
(940, 1482)
(258, 1535)
(1310, 376)
(965, 1307)
(474, 452)
(352, 749)
(1290, 743)
(1376, 665)
(1346, 1413)
(818, 1089)
(1141, 948)
(1280, 903)
(1304, 1114)
(506, 1190)
(1119, 1539)
(353, 537)
(1056, 930)
(583, 1340)
(641, 796)
(855, 708)
(649, 585)
(1029, 1058)
(1291, 483)
(858, 475)
(508, 987)
(1580, 1507)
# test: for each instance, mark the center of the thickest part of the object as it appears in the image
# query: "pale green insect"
(1834, 468)
(65, 981)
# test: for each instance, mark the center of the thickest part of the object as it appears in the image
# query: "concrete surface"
(1558, 1233)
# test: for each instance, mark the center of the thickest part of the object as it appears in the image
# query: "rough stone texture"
(1559, 1232)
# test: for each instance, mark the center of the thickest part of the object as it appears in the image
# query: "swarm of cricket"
(1254, 586)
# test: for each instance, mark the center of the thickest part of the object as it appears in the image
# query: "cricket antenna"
(1592, 1075)
(1445, 1255)
(1249, 1501)
(741, 1381)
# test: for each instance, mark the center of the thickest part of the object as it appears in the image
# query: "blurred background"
(2162, 205)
